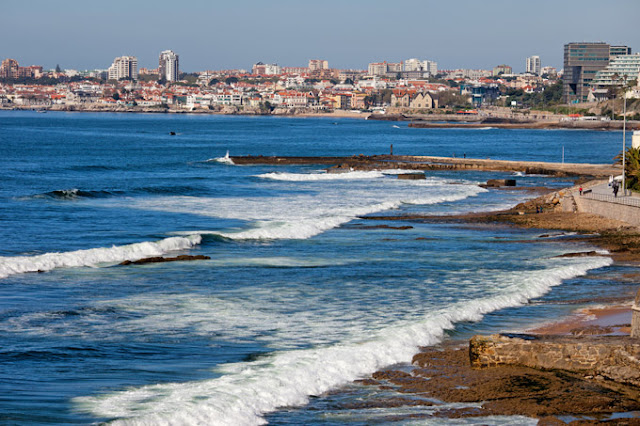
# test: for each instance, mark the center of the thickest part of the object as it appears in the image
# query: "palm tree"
(631, 168)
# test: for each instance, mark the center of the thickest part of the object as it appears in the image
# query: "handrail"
(627, 201)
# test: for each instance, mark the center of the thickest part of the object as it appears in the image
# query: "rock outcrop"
(159, 259)
(613, 357)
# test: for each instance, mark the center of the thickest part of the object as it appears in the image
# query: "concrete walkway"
(599, 199)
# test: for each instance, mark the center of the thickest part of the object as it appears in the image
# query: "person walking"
(615, 188)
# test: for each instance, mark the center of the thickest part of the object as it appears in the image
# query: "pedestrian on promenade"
(580, 189)
(615, 188)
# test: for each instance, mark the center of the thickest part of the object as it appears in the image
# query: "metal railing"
(610, 198)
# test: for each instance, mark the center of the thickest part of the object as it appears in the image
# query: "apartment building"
(426, 68)
(266, 69)
(533, 65)
(502, 69)
(9, 68)
(169, 65)
(318, 64)
(385, 68)
(124, 67)
(621, 69)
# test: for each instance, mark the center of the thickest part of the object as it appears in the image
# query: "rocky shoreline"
(580, 396)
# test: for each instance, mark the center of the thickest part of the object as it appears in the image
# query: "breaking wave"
(247, 391)
(224, 160)
(93, 257)
(310, 177)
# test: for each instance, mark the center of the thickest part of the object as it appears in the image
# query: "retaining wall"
(629, 214)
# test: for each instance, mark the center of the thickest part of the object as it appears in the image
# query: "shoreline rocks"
(160, 259)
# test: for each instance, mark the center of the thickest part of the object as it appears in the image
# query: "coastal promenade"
(599, 199)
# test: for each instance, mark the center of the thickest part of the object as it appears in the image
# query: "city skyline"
(81, 35)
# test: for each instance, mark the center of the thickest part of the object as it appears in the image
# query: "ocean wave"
(305, 228)
(351, 175)
(305, 216)
(247, 391)
(93, 257)
(224, 160)
(310, 177)
(74, 193)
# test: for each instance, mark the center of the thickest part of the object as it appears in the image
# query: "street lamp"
(624, 140)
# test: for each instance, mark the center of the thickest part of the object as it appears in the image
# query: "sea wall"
(628, 214)
(613, 357)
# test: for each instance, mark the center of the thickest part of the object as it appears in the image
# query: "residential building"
(582, 61)
(411, 98)
(168, 66)
(266, 69)
(466, 74)
(533, 65)
(424, 100)
(33, 71)
(385, 68)
(425, 68)
(353, 75)
(550, 71)
(124, 67)
(621, 69)
(318, 64)
(9, 68)
(295, 70)
(502, 69)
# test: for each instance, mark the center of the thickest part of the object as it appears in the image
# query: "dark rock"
(493, 183)
(580, 254)
(160, 259)
(412, 176)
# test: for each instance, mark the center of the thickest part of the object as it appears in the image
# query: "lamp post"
(624, 141)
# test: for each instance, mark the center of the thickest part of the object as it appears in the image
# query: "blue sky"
(213, 34)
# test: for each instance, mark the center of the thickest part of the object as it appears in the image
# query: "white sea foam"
(306, 177)
(304, 215)
(92, 257)
(224, 160)
(248, 390)
(350, 175)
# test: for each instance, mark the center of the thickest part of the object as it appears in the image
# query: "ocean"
(301, 295)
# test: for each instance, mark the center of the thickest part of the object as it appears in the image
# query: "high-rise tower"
(169, 67)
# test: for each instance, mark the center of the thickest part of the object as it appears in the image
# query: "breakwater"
(370, 162)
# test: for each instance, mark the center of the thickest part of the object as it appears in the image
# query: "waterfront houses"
(267, 88)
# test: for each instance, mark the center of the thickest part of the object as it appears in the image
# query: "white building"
(533, 65)
(124, 67)
(168, 66)
(318, 64)
(384, 68)
(427, 67)
(621, 68)
(266, 69)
